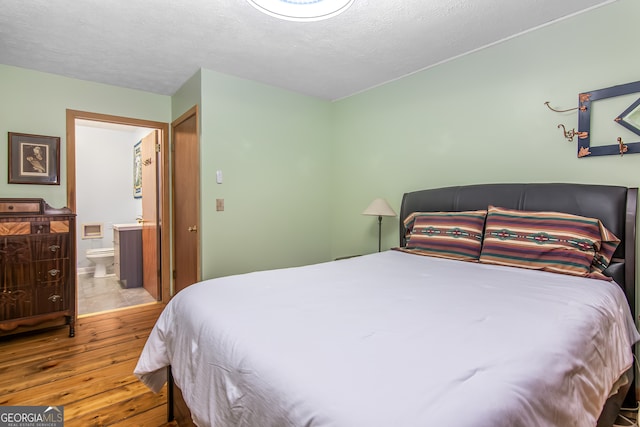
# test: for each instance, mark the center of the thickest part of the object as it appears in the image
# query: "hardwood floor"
(91, 374)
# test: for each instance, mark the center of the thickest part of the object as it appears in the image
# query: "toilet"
(101, 257)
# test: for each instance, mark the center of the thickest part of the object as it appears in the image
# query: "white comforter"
(393, 339)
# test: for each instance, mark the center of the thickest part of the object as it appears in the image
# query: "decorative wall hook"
(572, 133)
(581, 107)
(559, 111)
(568, 135)
(623, 146)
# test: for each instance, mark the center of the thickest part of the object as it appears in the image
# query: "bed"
(399, 338)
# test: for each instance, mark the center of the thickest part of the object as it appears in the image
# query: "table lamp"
(379, 207)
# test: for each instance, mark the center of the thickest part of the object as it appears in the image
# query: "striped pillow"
(550, 241)
(454, 235)
(602, 258)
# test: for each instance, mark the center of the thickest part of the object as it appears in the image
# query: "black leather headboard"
(614, 206)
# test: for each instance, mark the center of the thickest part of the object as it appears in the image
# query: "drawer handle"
(54, 298)
(54, 248)
(10, 207)
(53, 272)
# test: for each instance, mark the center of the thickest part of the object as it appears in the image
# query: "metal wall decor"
(629, 118)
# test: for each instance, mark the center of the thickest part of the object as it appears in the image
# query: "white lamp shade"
(379, 207)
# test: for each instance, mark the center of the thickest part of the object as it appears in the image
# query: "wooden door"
(186, 200)
(150, 240)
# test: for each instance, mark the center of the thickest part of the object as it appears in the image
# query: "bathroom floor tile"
(105, 293)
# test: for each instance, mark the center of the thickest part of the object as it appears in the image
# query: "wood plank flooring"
(91, 374)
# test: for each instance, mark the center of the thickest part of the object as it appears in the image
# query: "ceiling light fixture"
(301, 10)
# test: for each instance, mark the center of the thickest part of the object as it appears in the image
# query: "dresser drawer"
(50, 299)
(21, 206)
(49, 246)
(52, 271)
(40, 227)
(20, 250)
(12, 228)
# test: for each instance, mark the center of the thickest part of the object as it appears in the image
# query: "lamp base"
(379, 233)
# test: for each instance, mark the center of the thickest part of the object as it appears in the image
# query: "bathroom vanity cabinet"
(127, 239)
(37, 266)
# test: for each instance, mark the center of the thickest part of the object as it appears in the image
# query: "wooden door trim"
(193, 111)
(163, 128)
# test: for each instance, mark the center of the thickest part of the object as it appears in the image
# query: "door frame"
(163, 181)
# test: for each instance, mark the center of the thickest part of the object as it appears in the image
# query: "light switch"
(219, 204)
(219, 177)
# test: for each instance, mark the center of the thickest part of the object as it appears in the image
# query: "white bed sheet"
(393, 339)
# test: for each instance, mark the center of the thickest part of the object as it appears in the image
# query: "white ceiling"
(156, 45)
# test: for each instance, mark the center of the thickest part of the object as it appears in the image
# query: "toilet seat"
(100, 251)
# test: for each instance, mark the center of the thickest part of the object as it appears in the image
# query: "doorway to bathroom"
(116, 180)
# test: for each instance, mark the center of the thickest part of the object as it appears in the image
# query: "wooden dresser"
(37, 266)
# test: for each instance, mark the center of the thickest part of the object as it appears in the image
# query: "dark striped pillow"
(454, 235)
(602, 258)
(550, 241)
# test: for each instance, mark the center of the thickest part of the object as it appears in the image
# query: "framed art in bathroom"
(137, 170)
(34, 159)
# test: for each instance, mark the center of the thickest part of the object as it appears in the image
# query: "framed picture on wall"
(137, 170)
(34, 159)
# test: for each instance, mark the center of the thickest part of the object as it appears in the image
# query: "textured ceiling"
(156, 45)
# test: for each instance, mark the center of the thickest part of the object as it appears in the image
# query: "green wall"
(189, 94)
(481, 118)
(273, 147)
(36, 103)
